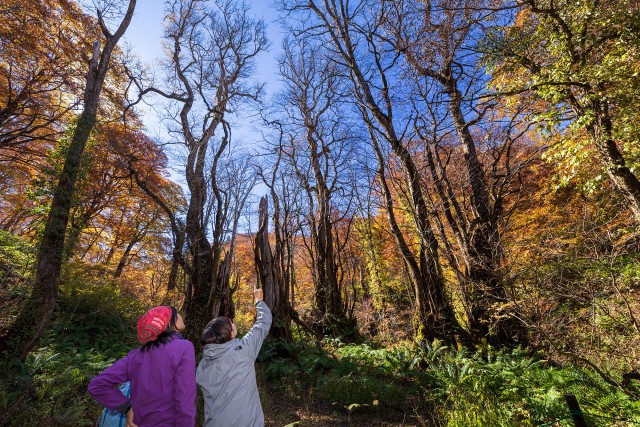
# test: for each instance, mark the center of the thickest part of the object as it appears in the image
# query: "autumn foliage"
(443, 174)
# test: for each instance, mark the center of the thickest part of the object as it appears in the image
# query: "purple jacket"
(163, 385)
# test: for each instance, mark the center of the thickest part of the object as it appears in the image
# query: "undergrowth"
(442, 386)
(92, 326)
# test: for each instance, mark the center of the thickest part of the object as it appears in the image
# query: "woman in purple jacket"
(162, 374)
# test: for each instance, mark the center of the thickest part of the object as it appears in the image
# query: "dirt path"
(281, 410)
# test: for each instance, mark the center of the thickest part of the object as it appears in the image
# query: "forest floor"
(281, 409)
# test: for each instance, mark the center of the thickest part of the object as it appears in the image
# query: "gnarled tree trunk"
(270, 277)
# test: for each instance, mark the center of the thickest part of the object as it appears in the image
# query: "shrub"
(514, 388)
(361, 390)
(16, 259)
(92, 326)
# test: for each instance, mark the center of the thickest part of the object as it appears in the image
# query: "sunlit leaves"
(583, 60)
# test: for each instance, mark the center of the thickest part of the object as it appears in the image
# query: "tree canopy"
(440, 193)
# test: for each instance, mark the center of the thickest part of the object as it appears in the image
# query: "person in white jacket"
(226, 374)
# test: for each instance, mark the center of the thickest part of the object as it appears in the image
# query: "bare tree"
(232, 186)
(317, 148)
(211, 51)
(439, 41)
(351, 29)
(276, 267)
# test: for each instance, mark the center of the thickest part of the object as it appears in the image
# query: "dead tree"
(271, 278)
(211, 52)
(350, 29)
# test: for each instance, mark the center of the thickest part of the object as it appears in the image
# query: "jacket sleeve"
(104, 387)
(185, 391)
(258, 332)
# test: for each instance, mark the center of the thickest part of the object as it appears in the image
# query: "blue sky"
(144, 36)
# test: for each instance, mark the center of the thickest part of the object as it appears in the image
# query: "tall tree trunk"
(434, 317)
(209, 75)
(223, 306)
(484, 290)
(199, 286)
(35, 314)
(333, 321)
(124, 258)
(600, 130)
(270, 277)
(197, 313)
(477, 231)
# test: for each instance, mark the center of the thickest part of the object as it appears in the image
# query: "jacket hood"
(214, 351)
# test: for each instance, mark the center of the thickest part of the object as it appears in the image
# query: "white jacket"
(227, 377)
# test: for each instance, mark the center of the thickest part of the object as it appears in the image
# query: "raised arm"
(258, 332)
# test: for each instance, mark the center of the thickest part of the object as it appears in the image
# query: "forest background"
(441, 203)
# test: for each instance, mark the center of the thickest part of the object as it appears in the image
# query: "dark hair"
(166, 335)
(218, 331)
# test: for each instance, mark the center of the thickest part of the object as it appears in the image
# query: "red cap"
(153, 323)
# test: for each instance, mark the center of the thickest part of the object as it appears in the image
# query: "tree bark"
(434, 316)
(270, 277)
(484, 253)
(477, 231)
(333, 321)
(35, 314)
(601, 131)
